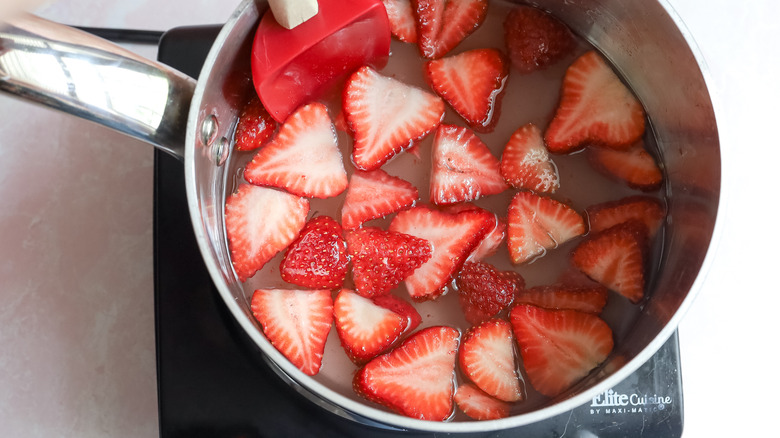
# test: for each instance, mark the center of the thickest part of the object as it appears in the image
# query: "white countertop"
(76, 283)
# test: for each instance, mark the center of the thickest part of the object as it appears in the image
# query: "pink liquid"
(528, 98)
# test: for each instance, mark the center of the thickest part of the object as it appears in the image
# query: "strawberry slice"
(643, 208)
(318, 257)
(303, 158)
(463, 167)
(402, 24)
(472, 83)
(400, 307)
(296, 322)
(588, 299)
(386, 116)
(452, 236)
(536, 224)
(615, 258)
(492, 240)
(595, 108)
(634, 166)
(559, 347)
(255, 126)
(259, 223)
(526, 164)
(375, 194)
(487, 358)
(417, 379)
(484, 291)
(478, 405)
(366, 328)
(382, 259)
(443, 24)
(535, 39)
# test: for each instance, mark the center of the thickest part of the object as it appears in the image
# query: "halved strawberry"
(386, 116)
(296, 322)
(478, 405)
(416, 379)
(484, 291)
(382, 259)
(595, 108)
(535, 39)
(526, 164)
(634, 166)
(402, 24)
(303, 158)
(582, 298)
(647, 209)
(452, 236)
(400, 307)
(492, 240)
(443, 24)
(318, 257)
(487, 357)
(375, 194)
(463, 167)
(365, 327)
(259, 223)
(472, 83)
(536, 224)
(615, 258)
(255, 126)
(559, 347)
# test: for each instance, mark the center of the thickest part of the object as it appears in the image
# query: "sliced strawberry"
(615, 258)
(634, 166)
(487, 358)
(296, 322)
(559, 347)
(644, 208)
(386, 116)
(375, 194)
(400, 307)
(484, 291)
(259, 223)
(492, 240)
(417, 379)
(318, 257)
(443, 24)
(536, 224)
(382, 259)
(255, 126)
(367, 328)
(478, 405)
(402, 24)
(472, 83)
(452, 236)
(463, 167)
(526, 164)
(582, 298)
(303, 158)
(595, 108)
(535, 39)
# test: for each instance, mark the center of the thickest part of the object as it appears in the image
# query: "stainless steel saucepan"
(645, 40)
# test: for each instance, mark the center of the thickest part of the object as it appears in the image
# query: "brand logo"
(611, 402)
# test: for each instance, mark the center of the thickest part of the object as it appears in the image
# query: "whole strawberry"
(485, 291)
(318, 257)
(535, 39)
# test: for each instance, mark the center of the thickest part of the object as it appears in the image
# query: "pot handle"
(81, 74)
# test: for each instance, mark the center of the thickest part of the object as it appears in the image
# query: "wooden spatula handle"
(290, 13)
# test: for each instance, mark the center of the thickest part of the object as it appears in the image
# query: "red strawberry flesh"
(559, 347)
(487, 358)
(417, 379)
(443, 24)
(375, 194)
(634, 166)
(526, 164)
(647, 209)
(478, 405)
(582, 298)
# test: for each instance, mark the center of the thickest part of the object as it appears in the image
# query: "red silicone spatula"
(293, 66)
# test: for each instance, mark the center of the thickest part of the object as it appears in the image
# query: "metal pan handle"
(81, 74)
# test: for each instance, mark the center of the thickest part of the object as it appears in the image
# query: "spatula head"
(292, 67)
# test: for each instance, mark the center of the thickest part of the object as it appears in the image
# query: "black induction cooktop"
(213, 381)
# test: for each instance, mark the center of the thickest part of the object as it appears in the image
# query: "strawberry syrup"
(528, 98)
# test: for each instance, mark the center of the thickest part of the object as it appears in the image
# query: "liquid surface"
(529, 98)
